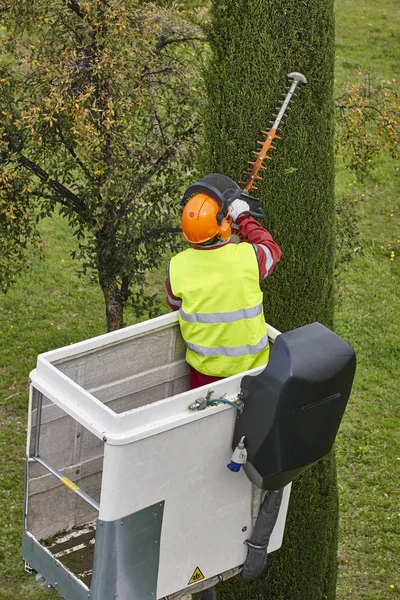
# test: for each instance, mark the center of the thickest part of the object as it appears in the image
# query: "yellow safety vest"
(221, 316)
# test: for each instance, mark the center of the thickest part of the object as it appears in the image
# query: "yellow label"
(70, 484)
(197, 576)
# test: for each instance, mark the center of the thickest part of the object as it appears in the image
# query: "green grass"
(368, 449)
(50, 306)
(368, 452)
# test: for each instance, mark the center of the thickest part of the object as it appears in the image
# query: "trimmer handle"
(254, 203)
(255, 206)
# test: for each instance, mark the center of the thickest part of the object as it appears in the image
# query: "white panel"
(206, 505)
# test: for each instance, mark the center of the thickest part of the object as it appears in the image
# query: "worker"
(215, 285)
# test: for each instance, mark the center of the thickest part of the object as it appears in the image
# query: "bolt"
(104, 438)
(77, 471)
(78, 435)
(244, 528)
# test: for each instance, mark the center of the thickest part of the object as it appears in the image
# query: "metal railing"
(36, 458)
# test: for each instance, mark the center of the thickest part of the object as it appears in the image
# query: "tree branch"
(156, 233)
(72, 152)
(70, 28)
(165, 42)
(163, 70)
(74, 6)
(64, 193)
(170, 151)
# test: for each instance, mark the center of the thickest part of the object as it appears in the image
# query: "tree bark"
(114, 303)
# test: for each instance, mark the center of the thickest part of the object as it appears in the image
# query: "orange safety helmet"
(202, 220)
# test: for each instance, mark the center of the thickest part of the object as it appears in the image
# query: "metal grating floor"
(75, 550)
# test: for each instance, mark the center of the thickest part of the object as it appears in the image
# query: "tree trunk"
(254, 46)
(115, 303)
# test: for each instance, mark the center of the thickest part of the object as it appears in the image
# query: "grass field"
(368, 449)
(50, 307)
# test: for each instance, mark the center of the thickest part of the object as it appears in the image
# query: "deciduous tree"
(98, 118)
(368, 123)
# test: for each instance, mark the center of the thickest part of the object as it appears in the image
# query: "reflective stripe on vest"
(221, 316)
(225, 351)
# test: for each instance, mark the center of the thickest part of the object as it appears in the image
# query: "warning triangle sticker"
(197, 576)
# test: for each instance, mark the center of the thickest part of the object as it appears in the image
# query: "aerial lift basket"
(127, 494)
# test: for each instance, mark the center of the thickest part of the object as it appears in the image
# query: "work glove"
(237, 208)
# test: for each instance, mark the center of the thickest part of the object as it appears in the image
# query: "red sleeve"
(173, 301)
(267, 250)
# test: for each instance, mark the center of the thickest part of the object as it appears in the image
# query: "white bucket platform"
(128, 494)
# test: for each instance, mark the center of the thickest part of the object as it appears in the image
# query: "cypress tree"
(254, 45)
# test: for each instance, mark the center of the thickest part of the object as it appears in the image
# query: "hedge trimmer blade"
(271, 134)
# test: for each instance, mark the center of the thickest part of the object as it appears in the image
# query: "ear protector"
(224, 231)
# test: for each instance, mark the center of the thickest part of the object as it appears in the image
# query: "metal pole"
(67, 482)
(36, 458)
(38, 422)
(296, 79)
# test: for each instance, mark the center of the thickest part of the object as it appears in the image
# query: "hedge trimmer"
(223, 189)
(271, 134)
